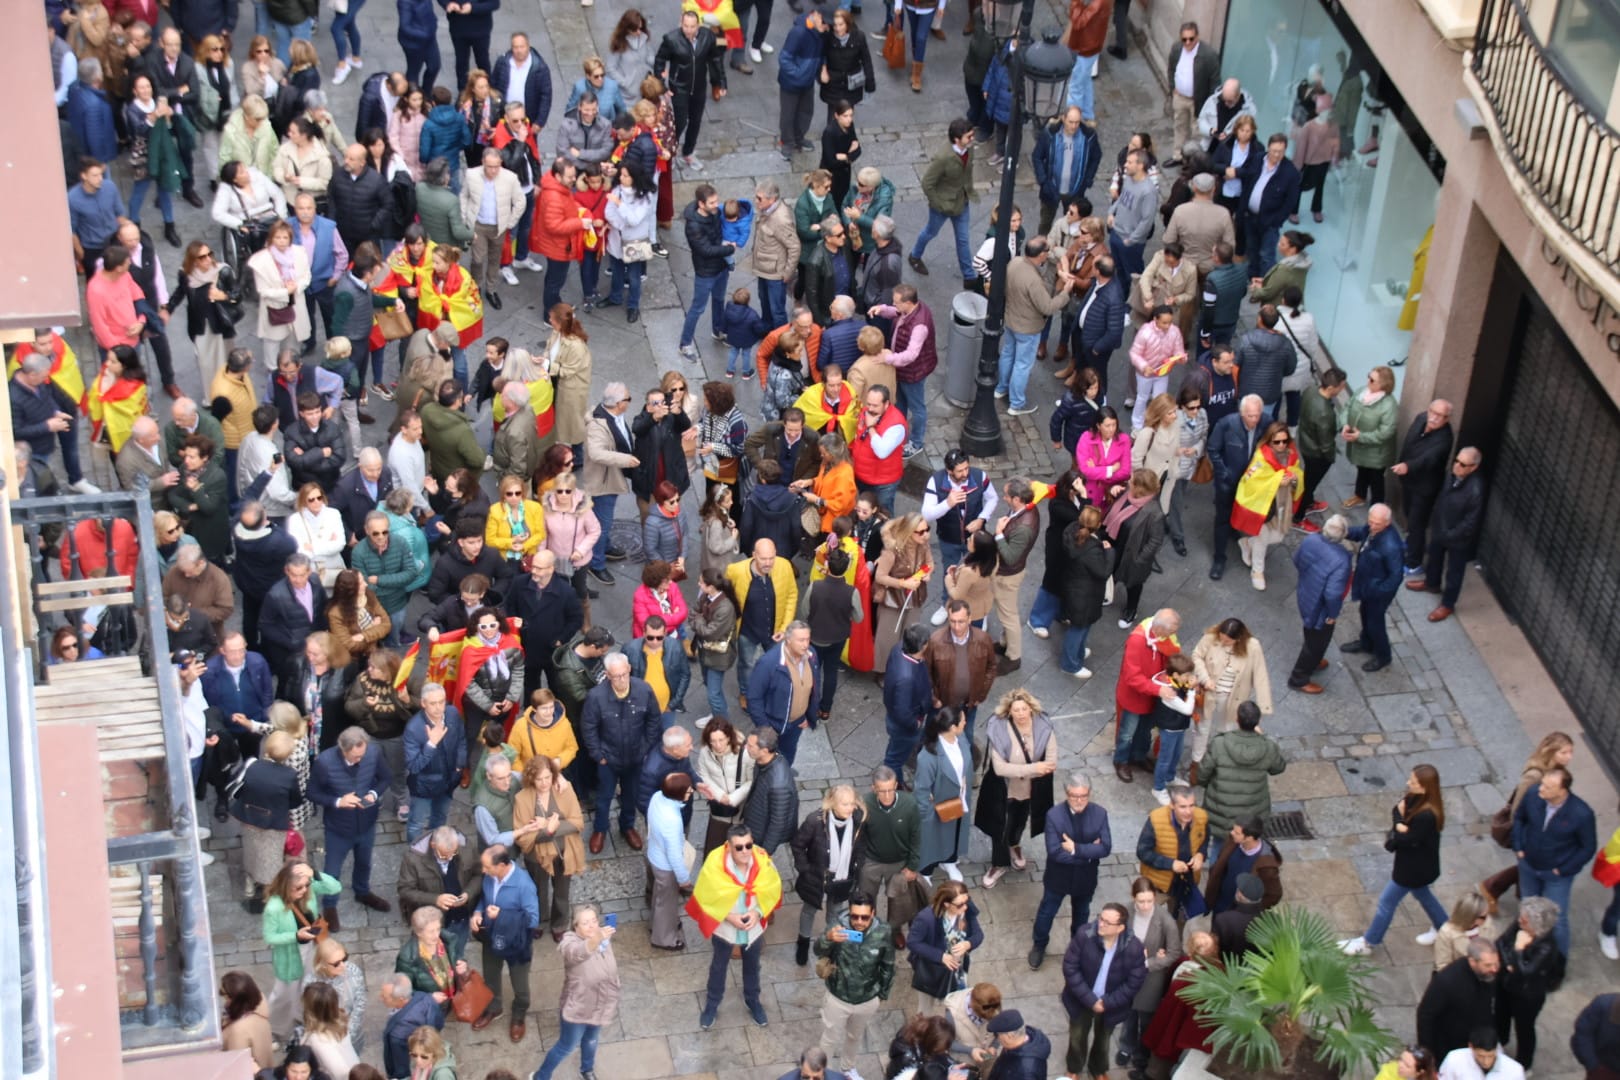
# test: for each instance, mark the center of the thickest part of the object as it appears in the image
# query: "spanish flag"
(721, 17)
(715, 891)
(443, 662)
(473, 655)
(543, 399)
(65, 371)
(858, 649)
(455, 298)
(1257, 489)
(116, 410)
(402, 275)
(818, 417)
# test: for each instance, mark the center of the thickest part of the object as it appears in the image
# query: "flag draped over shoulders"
(1257, 488)
(715, 892)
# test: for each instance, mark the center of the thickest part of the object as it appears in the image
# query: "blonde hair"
(1004, 707)
(284, 716)
(593, 64)
(339, 348)
(830, 799)
(644, 111)
(255, 107)
(163, 520)
(428, 1041)
(278, 746)
(1386, 378)
(1542, 758)
(311, 488)
(302, 54)
(870, 341)
(817, 176)
(1160, 411)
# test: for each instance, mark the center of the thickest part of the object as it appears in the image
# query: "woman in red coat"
(1175, 1027)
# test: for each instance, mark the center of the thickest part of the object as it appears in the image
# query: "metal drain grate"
(1288, 825)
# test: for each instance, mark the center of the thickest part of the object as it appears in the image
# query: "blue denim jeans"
(620, 273)
(748, 653)
(1074, 648)
(1045, 610)
(1127, 257)
(607, 779)
(137, 197)
(1134, 737)
(714, 683)
(345, 35)
(918, 23)
(959, 224)
(719, 968)
(602, 507)
(520, 235)
(337, 850)
(581, 1037)
(788, 742)
(904, 735)
(426, 815)
(1080, 86)
(735, 353)
(1262, 245)
(912, 399)
(884, 494)
(1554, 887)
(458, 364)
(1164, 770)
(590, 273)
(1391, 898)
(284, 36)
(1081, 888)
(773, 302)
(1017, 359)
(710, 291)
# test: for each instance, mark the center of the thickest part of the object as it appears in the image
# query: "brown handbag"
(306, 923)
(894, 46)
(471, 998)
(394, 324)
(1204, 471)
(950, 809)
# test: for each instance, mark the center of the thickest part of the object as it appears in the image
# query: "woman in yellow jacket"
(516, 527)
(1416, 1064)
(543, 731)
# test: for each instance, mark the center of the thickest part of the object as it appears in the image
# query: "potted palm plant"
(1294, 1008)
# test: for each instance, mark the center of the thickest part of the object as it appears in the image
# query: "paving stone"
(1375, 774)
(1399, 712)
(1458, 766)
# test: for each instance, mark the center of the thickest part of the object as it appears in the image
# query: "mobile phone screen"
(611, 919)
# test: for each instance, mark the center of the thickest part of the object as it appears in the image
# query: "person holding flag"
(65, 374)
(489, 672)
(449, 294)
(735, 896)
(840, 537)
(1268, 494)
(829, 405)
(409, 268)
(117, 398)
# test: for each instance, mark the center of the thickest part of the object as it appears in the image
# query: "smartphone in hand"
(611, 920)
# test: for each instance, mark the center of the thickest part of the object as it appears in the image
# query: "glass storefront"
(1379, 196)
(1586, 45)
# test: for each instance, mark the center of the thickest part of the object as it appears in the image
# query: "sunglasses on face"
(859, 918)
(1279, 442)
(515, 492)
(653, 637)
(743, 847)
(1189, 40)
(316, 498)
(377, 532)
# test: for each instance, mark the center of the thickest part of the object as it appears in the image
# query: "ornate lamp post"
(1039, 74)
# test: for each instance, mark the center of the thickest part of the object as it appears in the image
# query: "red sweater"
(1136, 691)
(111, 300)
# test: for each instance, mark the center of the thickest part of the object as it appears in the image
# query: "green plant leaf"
(1354, 1039)
(1244, 1037)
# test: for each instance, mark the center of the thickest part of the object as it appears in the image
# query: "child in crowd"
(743, 329)
(590, 192)
(1172, 717)
(736, 223)
(340, 361)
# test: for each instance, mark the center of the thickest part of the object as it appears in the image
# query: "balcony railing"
(1567, 153)
(173, 1007)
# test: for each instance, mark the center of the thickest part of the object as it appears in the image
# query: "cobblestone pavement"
(1349, 748)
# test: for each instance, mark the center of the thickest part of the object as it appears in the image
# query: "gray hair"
(90, 71)
(612, 393)
(491, 152)
(1166, 621)
(766, 737)
(445, 836)
(369, 455)
(432, 689)
(1203, 183)
(1335, 528)
(814, 1057)
(676, 736)
(493, 762)
(378, 515)
(1540, 912)
(298, 561)
(614, 660)
(423, 915)
(883, 775)
(398, 985)
(882, 227)
(1480, 948)
(795, 625)
(767, 189)
(1077, 781)
(869, 176)
(516, 396)
(829, 221)
(1179, 790)
(352, 738)
(580, 909)
(314, 99)
(36, 364)
(842, 307)
(437, 172)
(188, 555)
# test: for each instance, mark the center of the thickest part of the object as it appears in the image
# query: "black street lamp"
(1039, 75)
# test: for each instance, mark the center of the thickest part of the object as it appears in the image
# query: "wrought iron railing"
(179, 1009)
(1566, 152)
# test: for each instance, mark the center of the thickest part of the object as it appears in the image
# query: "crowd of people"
(407, 626)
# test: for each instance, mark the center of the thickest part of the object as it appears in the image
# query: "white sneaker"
(756, 56)
(1607, 943)
(767, 49)
(508, 277)
(1126, 624)
(1356, 946)
(85, 487)
(1096, 69)
(1162, 796)
(1083, 673)
(853, 1075)
(1258, 580)
(938, 618)
(340, 74)
(951, 871)
(530, 265)
(691, 162)
(205, 859)
(1129, 403)
(1040, 631)
(1427, 937)
(1088, 652)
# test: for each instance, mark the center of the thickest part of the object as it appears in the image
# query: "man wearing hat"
(1232, 927)
(1022, 1051)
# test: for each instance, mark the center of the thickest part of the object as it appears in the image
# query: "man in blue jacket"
(90, 112)
(1066, 158)
(1100, 324)
(238, 683)
(797, 67)
(908, 697)
(1554, 836)
(1230, 448)
(1377, 579)
(435, 754)
(504, 924)
(328, 259)
(622, 725)
(1077, 840)
(409, 1010)
(1103, 969)
(1324, 573)
(522, 75)
(346, 781)
(1273, 197)
(672, 755)
(777, 685)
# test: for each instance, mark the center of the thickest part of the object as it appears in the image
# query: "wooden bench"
(122, 702)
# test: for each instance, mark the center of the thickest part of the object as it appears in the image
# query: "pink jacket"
(1103, 466)
(570, 537)
(644, 604)
(1152, 347)
(111, 304)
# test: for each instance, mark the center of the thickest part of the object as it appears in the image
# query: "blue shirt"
(95, 216)
(487, 210)
(1099, 985)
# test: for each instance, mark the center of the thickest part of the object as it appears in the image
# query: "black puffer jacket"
(689, 67)
(812, 856)
(1533, 972)
(362, 206)
(709, 251)
(1143, 537)
(773, 805)
(1061, 513)
(1086, 566)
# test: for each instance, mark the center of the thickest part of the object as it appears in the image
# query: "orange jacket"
(1088, 25)
(767, 349)
(558, 229)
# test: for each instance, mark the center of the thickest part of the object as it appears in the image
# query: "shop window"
(1585, 46)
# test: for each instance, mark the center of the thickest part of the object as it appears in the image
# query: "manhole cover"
(626, 536)
(1288, 825)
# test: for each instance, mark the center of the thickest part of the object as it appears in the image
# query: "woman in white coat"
(1299, 327)
(630, 219)
(318, 531)
(281, 275)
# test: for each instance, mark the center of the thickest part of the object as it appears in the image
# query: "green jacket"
(948, 183)
(894, 835)
(168, 149)
(1318, 425)
(450, 442)
(805, 215)
(1237, 769)
(174, 435)
(410, 962)
(1376, 447)
(281, 928)
(1286, 272)
(882, 203)
(573, 681)
(394, 569)
(440, 211)
(866, 969)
